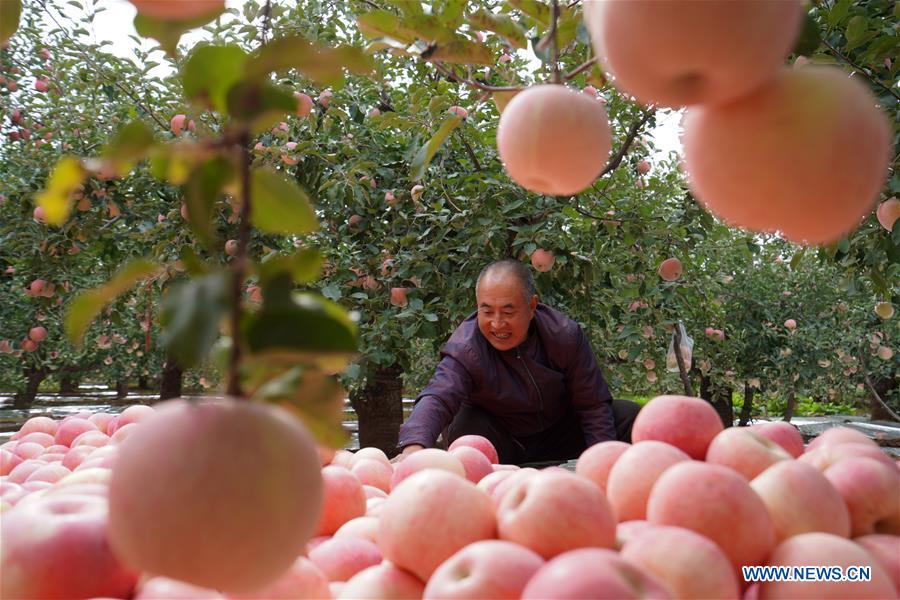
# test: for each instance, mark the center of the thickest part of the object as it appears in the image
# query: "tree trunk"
(143, 383)
(25, 398)
(887, 389)
(379, 409)
(68, 382)
(791, 401)
(747, 410)
(121, 389)
(170, 385)
(720, 398)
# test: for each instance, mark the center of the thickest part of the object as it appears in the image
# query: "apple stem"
(239, 266)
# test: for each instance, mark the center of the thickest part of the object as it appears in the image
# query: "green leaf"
(129, 145)
(303, 266)
(86, 306)
(430, 148)
(315, 398)
(459, 51)
(279, 205)
(533, 8)
(809, 39)
(210, 72)
(839, 11)
(797, 258)
(300, 328)
(56, 198)
(384, 24)
(502, 25)
(167, 33)
(323, 65)
(10, 11)
(501, 99)
(259, 103)
(201, 192)
(856, 28)
(452, 14)
(191, 313)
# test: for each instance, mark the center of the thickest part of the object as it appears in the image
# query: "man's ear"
(533, 304)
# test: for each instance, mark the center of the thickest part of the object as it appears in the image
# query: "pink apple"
(782, 433)
(216, 518)
(480, 443)
(789, 488)
(886, 550)
(635, 473)
(429, 458)
(596, 462)
(839, 435)
(824, 456)
(686, 563)
(693, 494)
(71, 429)
(871, 491)
(344, 499)
(383, 582)
(38, 437)
(542, 260)
(39, 424)
(177, 124)
(824, 549)
(56, 547)
(304, 104)
(163, 588)
(449, 510)
(687, 423)
(487, 569)
(342, 558)
(745, 451)
(365, 528)
(373, 472)
(476, 464)
(552, 513)
(592, 573)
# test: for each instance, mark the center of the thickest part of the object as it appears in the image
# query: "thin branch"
(555, 46)
(580, 69)
(115, 82)
(469, 150)
(239, 268)
(860, 70)
(682, 371)
(471, 82)
(865, 369)
(632, 134)
(267, 21)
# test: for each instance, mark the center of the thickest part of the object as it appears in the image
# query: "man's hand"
(406, 452)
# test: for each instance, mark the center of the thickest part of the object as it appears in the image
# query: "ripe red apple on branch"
(553, 140)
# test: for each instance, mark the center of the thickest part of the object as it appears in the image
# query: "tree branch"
(860, 70)
(469, 150)
(580, 69)
(471, 82)
(115, 82)
(629, 139)
(865, 369)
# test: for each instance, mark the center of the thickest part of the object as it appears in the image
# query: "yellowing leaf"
(56, 199)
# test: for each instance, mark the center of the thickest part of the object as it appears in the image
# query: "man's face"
(503, 313)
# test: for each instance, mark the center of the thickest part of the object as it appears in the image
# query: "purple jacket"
(529, 388)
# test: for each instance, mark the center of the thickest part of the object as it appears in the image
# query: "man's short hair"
(517, 269)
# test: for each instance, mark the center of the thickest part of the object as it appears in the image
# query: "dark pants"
(563, 441)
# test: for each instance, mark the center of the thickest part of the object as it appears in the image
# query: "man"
(520, 374)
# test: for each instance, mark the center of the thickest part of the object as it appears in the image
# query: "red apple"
(687, 423)
(487, 569)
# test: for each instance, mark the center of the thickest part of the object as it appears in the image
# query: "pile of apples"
(145, 505)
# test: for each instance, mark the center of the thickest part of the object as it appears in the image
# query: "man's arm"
(437, 404)
(590, 394)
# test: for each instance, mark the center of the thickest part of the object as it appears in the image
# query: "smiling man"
(522, 375)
